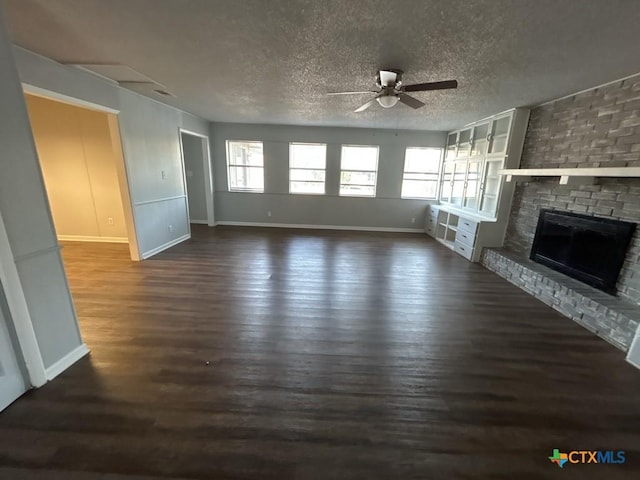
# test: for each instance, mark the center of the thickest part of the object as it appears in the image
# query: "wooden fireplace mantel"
(569, 176)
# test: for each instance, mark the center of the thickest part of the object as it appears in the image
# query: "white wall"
(387, 210)
(79, 167)
(150, 139)
(27, 219)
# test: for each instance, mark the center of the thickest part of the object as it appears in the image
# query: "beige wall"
(78, 163)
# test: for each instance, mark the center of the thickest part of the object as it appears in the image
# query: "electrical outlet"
(189, 173)
(110, 220)
(269, 213)
(163, 174)
(170, 228)
(413, 220)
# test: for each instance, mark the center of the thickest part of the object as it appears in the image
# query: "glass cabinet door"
(472, 186)
(464, 143)
(498, 135)
(457, 184)
(490, 187)
(447, 179)
(452, 146)
(479, 140)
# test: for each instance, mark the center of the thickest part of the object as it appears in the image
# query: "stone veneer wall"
(597, 128)
(609, 317)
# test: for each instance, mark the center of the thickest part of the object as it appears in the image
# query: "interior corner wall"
(386, 211)
(149, 132)
(79, 168)
(27, 219)
(596, 128)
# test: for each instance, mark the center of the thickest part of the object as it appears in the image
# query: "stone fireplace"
(596, 128)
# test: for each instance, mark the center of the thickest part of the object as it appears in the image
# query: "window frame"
(228, 143)
(324, 182)
(375, 183)
(438, 175)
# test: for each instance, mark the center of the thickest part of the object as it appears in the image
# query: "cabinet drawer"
(464, 250)
(465, 238)
(467, 225)
(433, 210)
(431, 231)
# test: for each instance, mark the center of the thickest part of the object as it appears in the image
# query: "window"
(307, 164)
(358, 170)
(245, 164)
(421, 172)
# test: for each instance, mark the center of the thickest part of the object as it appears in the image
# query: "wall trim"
(321, 227)
(37, 253)
(91, 238)
(161, 248)
(199, 222)
(158, 200)
(65, 362)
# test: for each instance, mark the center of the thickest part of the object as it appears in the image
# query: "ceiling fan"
(391, 90)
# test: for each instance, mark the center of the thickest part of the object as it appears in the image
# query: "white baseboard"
(65, 362)
(322, 227)
(161, 248)
(199, 222)
(85, 238)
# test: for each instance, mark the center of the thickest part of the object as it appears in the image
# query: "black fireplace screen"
(589, 249)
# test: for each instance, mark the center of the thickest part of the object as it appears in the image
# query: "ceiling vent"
(126, 77)
(113, 72)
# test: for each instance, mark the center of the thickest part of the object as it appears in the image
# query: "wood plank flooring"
(295, 354)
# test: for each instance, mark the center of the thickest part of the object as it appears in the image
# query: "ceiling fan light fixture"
(387, 101)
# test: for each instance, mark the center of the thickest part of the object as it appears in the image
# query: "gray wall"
(387, 210)
(194, 168)
(597, 128)
(150, 138)
(27, 218)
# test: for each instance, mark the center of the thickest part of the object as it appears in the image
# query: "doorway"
(197, 174)
(80, 159)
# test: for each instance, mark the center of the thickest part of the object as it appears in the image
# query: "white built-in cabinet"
(474, 200)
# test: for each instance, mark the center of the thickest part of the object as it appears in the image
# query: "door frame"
(118, 150)
(19, 314)
(208, 174)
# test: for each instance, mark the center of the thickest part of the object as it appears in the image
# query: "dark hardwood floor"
(286, 354)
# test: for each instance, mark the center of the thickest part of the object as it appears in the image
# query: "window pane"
(422, 160)
(358, 190)
(360, 178)
(306, 175)
(246, 178)
(306, 187)
(245, 153)
(303, 155)
(419, 189)
(359, 158)
(420, 176)
(421, 172)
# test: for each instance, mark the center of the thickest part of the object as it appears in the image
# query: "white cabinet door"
(490, 187)
(11, 382)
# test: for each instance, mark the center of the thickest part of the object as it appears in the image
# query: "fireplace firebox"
(589, 249)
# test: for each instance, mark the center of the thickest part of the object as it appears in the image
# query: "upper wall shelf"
(569, 176)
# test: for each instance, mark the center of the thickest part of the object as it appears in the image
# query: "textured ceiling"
(271, 61)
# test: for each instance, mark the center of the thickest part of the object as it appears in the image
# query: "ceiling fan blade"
(423, 87)
(365, 106)
(410, 101)
(388, 78)
(352, 93)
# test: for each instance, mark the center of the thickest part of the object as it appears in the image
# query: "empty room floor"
(297, 354)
